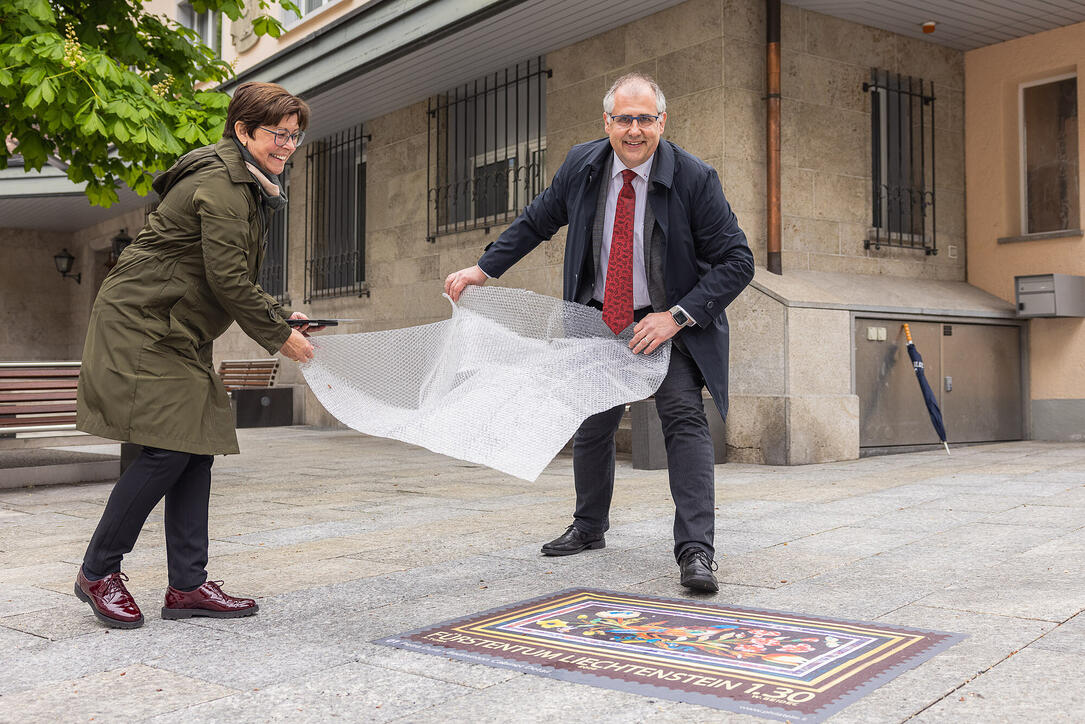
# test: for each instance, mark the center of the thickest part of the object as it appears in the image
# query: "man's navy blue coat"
(706, 260)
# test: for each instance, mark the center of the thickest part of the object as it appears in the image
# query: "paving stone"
(1067, 637)
(990, 640)
(244, 662)
(550, 700)
(1036, 489)
(923, 519)
(1018, 588)
(102, 650)
(984, 539)
(998, 694)
(29, 575)
(453, 671)
(11, 638)
(976, 501)
(1040, 516)
(341, 558)
(865, 601)
(53, 623)
(130, 693)
(855, 541)
(776, 566)
(21, 598)
(352, 691)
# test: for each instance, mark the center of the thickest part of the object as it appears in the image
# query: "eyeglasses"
(645, 120)
(281, 136)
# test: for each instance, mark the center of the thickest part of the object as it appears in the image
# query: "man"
(652, 242)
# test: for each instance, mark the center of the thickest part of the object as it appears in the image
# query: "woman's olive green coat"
(147, 374)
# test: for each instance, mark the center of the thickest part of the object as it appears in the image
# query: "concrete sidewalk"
(348, 538)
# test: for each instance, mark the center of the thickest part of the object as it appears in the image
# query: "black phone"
(313, 322)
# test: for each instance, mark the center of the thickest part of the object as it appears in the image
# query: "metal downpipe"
(772, 129)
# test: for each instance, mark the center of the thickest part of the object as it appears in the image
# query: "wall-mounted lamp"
(118, 244)
(64, 260)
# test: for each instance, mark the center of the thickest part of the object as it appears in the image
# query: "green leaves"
(78, 80)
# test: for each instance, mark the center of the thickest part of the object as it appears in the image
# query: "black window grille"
(335, 215)
(487, 149)
(902, 162)
(273, 271)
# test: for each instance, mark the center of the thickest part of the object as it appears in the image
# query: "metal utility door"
(982, 363)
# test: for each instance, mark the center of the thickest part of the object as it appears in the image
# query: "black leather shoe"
(697, 567)
(573, 541)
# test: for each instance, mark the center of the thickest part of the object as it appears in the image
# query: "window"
(487, 149)
(273, 271)
(1049, 156)
(207, 25)
(335, 215)
(902, 162)
(307, 7)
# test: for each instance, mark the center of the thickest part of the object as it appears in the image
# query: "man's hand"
(296, 347)
(652, 331)
(456, 282)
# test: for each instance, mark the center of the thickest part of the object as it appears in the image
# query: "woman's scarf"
(272, 195)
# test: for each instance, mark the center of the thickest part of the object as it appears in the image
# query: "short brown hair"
(259, 104)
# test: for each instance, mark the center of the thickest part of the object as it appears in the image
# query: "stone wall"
(708, 55)
(826, 145)
(37, 306)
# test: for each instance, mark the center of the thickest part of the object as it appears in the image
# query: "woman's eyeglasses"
(282, 136)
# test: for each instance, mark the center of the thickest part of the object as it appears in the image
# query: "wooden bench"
(239, 374)
(37, 396)
(257, 402)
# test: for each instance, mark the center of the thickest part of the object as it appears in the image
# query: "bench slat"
(42, 419)
(38, 396)
(248, 373)
(35, 396)
(7, 373)
(36, 407)
(39, 385)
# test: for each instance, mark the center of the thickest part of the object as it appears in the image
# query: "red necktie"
(618, 298)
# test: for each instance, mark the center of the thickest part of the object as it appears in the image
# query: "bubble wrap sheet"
(505, 382)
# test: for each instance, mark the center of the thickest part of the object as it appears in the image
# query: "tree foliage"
(110, 90)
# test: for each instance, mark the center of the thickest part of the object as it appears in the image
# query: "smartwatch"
(680, 317)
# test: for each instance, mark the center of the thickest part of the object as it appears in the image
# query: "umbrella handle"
(908, 333)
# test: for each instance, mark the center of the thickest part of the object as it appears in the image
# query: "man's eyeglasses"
(644, 120)
(281, 136)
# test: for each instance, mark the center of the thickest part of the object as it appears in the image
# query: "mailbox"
(1050, 295)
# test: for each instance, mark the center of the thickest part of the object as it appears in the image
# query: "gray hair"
(608, 99)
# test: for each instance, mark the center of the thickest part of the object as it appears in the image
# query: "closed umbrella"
(924, 386)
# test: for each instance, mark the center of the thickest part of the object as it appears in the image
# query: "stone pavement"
(347, 539)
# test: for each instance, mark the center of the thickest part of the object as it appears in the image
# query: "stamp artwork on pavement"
(778, 665)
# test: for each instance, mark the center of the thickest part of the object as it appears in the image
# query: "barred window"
(902, 162)
(273, 271)
(335, 215)
(487, 149)
(1050, 198)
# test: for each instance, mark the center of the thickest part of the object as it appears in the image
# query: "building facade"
(432, 127)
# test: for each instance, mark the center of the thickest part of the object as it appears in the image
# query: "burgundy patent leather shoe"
(207, 600)
(111, 602)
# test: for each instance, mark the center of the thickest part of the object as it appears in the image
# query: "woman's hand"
(296, 347)
(305, 328)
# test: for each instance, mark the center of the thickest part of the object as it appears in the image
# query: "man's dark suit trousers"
(185, 481)
(690, 459)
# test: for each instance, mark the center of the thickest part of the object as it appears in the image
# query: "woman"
(147, 374)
